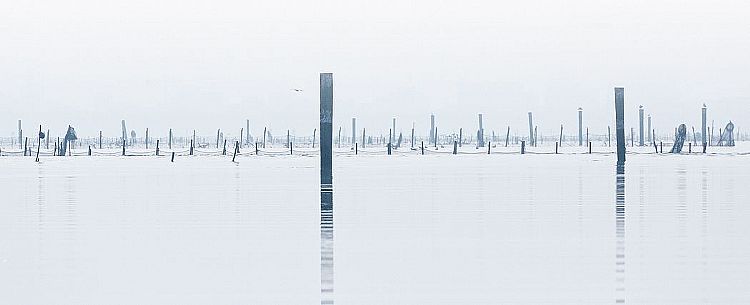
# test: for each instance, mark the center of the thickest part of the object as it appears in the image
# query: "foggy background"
(212, 64)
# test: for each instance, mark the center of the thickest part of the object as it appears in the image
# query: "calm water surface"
(470, 229)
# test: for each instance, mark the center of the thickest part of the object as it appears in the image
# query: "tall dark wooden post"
(620, 121)
(326, 188)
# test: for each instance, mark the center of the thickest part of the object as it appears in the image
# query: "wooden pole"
(191, 147)
(620, 119)
(422, 147)
(523, 147)
(224, 151)
(146, 138)
(157, 147)
(170, 141)
(172, 156)
(455, 147)
(123, 146)
(264, 136)
(507, 136)
(313, 140)
(236, 148)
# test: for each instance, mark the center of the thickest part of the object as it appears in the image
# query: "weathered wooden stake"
(89, 149)
(191, 147)
(172, 156)
(123, 146)
(455, 147)
(236, 148)
(224, 150)
(157, 147)
(356, 148)
(589, 148)
(556, 145)
(507, 136)
(523, 147)
(620, 121)
(314, 132)
(422, 147)
(39, 143)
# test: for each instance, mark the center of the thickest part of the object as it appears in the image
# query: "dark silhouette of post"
(640, 125)
(170, 138)
(326, 188)
(620, 121)
(649, 129)
(580, 126)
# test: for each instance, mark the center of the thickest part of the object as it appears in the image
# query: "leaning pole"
(620, 120)
(326, 188)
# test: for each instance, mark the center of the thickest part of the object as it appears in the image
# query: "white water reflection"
(473, 229)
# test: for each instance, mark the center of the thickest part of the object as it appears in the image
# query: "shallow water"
(438, 229)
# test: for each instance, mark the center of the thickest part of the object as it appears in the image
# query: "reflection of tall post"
(620, 121)
(480, 133)
(432, 128)
(640, 122)
(354, 131)
(124, 133)
(326, 188)
(580, 126)
(703, 124)
(531, 130)
(620, 234)
(649, 130)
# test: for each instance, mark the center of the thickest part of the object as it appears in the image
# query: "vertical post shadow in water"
(620, 234)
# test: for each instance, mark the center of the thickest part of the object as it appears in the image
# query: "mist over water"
(435, 229)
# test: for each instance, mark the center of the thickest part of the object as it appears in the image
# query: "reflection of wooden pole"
(620, 119)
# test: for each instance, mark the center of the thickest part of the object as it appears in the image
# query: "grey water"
(439, 229)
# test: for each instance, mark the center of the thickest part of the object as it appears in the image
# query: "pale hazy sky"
(212, 64)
